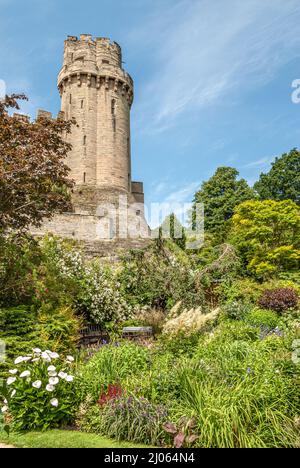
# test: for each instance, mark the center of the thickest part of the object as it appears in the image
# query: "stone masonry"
(98, 93)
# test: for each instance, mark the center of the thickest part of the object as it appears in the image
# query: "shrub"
(112, 364)
(280, 299)
(236, 310)
(22, 328)
(100, 297)
(240, 290)
(59, 328)
(159, 277)
(243, 393)
(38, 394)
(128, 418)
(263, 318)
(179, 344)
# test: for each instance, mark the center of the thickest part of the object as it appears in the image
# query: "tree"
(34, 179)
(267, 235)
(220, 195)
(282, 182)
(172, 229)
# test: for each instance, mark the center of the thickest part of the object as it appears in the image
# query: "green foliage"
(157, 277)
(282, 182)
(128, 418)
(241, 390)
(113, 363)
(19, 256)
(172, 229)
(267, 235)
(38, 394)
(100, 298)
(22, 328)
(236, 310)
(180, 344)
(263, 318)
(220, 195)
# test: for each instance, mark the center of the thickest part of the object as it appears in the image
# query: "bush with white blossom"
(101, 296)
(39, 391)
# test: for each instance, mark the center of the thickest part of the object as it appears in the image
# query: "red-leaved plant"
(114, 391)
(279, 299)
(182, 432)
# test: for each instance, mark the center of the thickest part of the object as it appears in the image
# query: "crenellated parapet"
(43, 114)
(94, 63)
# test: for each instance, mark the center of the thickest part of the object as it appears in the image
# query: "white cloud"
(205, 51)
(183, 194)
(259, 163)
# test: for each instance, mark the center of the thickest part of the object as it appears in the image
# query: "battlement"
(43, 114)
(94, 62)
(99, 49)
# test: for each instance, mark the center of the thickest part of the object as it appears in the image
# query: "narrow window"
(84, 177)
(82, 104)
(128, 148)
(113, 107)
(84, 140)
(70, 98)
(106, 62)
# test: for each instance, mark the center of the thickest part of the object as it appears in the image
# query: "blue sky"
(212, 78)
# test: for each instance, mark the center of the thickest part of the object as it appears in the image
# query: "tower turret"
(98, 93)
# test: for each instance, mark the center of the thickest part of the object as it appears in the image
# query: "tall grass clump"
(242, 393)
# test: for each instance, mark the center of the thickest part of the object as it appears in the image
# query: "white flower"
(52, 374)
(35, 359)
(19, 360)
(11, 380)
(63, 375)
(69, 378)
(37, 384)
(54, 355)
(50, 388)
(27, 358)
(51, 369)
(13, 371)
(25, 374)
(53, 380)
(46, 357)
(70, 359)
(54, 402)
(4, 409)
(13, 393)
(37, 351)
(5, 401)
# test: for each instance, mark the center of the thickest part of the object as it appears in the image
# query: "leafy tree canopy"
(282, 182)
(33, 175)
(171, 228)
(220, 195)
(267, 234)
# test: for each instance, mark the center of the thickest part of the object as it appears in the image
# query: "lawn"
(62, 439)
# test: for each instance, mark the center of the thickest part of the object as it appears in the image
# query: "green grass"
(62, 439)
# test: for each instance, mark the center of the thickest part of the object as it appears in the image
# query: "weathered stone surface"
(98, 93)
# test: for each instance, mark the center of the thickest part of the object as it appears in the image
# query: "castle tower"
(98, 93)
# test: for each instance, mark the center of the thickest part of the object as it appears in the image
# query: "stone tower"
(98, 93)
